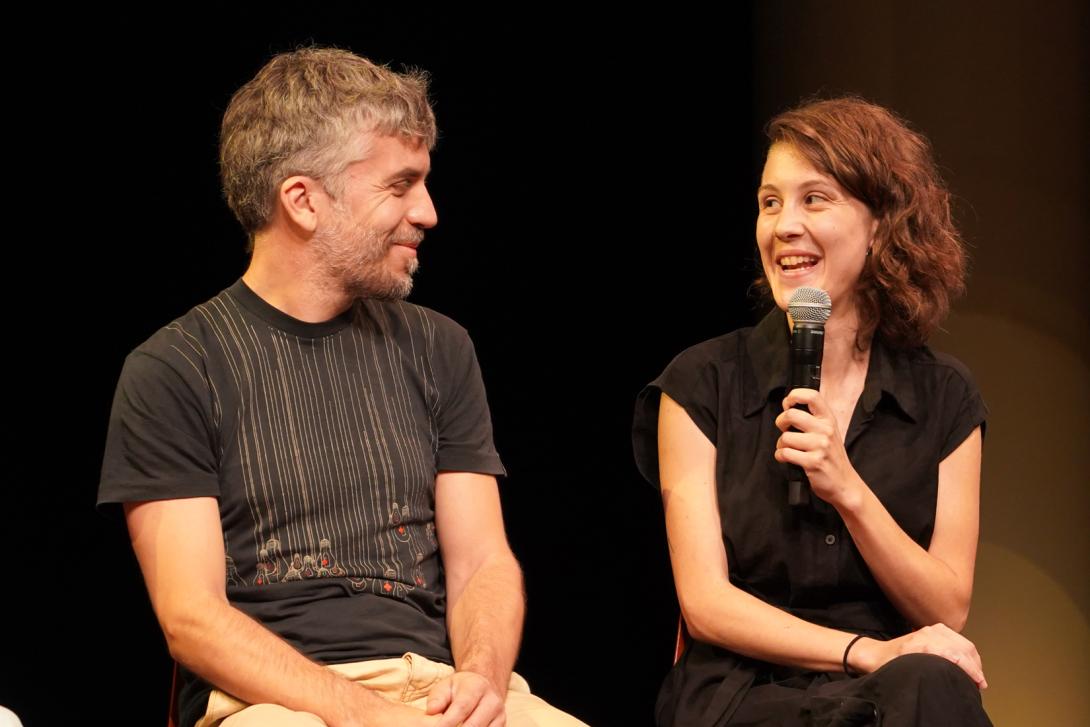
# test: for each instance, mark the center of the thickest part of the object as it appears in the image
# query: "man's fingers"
(488, 710)
(462, 703)
(439, 697)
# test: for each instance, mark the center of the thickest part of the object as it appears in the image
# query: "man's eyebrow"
(410, 173)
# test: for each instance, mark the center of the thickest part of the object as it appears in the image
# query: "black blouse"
(917, 406)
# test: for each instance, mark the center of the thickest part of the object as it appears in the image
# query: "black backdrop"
(593, 182)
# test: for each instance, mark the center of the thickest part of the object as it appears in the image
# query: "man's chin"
(388, 290)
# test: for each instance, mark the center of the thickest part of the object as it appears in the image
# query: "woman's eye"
(813, 199)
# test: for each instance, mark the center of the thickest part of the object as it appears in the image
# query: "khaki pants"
(405, 680)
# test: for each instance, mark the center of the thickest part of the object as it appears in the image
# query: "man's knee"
(528, 710)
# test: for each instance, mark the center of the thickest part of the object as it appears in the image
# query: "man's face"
(366, 245)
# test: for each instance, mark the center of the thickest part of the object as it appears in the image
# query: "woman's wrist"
(850, 496)
(866, 655)
(847, 651)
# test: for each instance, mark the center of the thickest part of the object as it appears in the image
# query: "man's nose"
(422, 212)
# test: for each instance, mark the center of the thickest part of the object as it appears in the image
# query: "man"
(305, 461)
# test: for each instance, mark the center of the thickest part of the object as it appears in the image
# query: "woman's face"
(810, 231)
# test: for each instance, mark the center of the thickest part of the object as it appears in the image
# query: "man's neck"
(283, 276)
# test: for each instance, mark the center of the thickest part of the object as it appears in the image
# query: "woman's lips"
(792, 263)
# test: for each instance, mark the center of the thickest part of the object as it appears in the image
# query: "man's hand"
(395, 714)
(468, 699)
(485, 601)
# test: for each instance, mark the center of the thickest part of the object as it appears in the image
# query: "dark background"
(594, 182)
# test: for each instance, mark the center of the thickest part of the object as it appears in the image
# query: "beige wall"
(1002, 93)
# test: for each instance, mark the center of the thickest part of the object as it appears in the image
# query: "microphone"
(809, 309)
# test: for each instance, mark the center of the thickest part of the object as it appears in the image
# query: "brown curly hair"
(918, 263)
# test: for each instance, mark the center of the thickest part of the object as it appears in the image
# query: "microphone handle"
(798, 487)
(807, 349)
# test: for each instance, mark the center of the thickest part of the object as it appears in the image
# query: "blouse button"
(830, 539)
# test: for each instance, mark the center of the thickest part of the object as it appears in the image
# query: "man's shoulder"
(191, 327)
(403, 316)
(186, 338)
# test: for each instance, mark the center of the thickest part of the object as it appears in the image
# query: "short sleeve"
(159, 443)
(964, 408)
(691, 380)
(463, 417)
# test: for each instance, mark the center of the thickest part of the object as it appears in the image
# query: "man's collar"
(769, 353)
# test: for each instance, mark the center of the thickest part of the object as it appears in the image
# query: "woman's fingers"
(941, 640)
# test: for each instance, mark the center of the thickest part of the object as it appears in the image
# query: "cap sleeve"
(690, 380)
(964, 406)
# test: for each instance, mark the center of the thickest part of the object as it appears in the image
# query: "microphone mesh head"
(810, 305)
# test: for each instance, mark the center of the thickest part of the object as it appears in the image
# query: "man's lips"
(411, 239)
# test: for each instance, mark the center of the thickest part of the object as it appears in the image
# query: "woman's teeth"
(794, 262)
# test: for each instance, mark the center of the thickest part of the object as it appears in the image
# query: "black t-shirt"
(322, 443)
(915, 409)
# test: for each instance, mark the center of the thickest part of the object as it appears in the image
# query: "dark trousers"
(915, 690)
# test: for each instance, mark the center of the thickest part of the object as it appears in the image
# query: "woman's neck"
(843, 357)
(843, 367)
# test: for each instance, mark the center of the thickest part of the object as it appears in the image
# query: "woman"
(845, 610)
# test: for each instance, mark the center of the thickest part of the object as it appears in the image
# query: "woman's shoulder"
(940, 388)
(939, 367)
(722, 351)
(722, 348)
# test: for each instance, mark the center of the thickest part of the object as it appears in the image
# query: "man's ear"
(299, 199)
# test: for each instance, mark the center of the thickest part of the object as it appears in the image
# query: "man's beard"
(356, 260)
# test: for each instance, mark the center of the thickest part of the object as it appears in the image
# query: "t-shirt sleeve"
(158, 445)
(463, 417)
(691, 381)
(964, 406)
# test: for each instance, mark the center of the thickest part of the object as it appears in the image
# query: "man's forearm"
(243, 658)
(217, 641)
(485, 620)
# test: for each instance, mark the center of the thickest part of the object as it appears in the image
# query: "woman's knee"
(927, 670)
